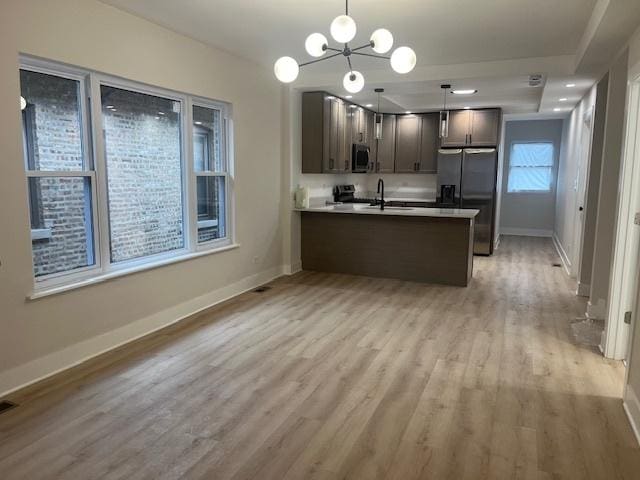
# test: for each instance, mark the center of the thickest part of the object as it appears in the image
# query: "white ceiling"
(490, 45)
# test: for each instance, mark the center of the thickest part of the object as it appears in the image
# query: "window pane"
(211, 208)
(531, 155)
(62, 228)
(207, 135)
(529, 179)
(52, 123)
(144, 173)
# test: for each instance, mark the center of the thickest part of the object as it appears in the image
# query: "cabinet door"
(458, 129)
(332, 137)
(369, 133)
(344, 137)
(484, 128)
(386, 146)
(429, 143)
(408, 143)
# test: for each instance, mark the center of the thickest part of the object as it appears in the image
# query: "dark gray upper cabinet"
(473, 128)
(458, 129)
(408, 129)
(326, 136)
(429, 143)
(386, 146)
(485, 125)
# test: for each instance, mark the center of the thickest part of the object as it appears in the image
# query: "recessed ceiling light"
(109, 107)
(408, 112)
(330, 97)
(467, 108)
(346, 96)
(198, 123)
(369, 105)
(557, 109)
(570, 85)
(160, 113)
(353, 106)
(564, 99)
(464, 92)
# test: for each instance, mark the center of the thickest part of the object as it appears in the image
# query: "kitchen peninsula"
(433, 245)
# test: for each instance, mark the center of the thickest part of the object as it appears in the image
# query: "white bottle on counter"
(301, 197)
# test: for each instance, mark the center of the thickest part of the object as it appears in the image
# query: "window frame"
(94, 166)
(551, 188)
(88, 169)
(225, 161)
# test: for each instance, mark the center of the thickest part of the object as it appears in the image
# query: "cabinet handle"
(470, 139)
(331, 163)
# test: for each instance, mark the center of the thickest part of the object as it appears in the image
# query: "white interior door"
(580, 186)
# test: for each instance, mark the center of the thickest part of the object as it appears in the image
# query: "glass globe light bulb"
(353, 82)
(382, 40)
(343, 29)
(23, 103)
(286, 69)
(403, 59)
(315, 44)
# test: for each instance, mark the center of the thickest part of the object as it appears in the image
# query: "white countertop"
(364, 209)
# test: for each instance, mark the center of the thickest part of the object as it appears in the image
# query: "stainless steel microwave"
(359, 158)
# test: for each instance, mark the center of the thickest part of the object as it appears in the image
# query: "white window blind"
(530, 167)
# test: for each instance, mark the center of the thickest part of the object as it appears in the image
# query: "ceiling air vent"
(535, 80)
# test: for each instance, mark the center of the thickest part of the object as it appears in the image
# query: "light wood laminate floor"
(331, 376)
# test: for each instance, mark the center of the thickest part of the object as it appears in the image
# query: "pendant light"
(343, 30)
(378, 116)
(443, 126)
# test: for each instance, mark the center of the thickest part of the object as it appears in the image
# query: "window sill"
(48, 291)
(40, 234)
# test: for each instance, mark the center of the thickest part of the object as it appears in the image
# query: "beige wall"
(41, 336)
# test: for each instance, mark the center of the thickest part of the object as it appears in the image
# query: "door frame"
(582, 175)
(626, 257)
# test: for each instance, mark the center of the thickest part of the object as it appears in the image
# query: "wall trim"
(293, 268)
(566, 263)
(631, 406)
(44, 367)
(583, 290)
(526, 232)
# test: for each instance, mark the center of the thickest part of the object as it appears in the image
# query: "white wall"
(39, 337)
(572, 166)
(524, 213)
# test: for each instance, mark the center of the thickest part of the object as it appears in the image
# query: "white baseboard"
(584, 289)
(44, 367)
(632, 408)
(293, 268)
(496, 243)
(564, 258)
(525, 232)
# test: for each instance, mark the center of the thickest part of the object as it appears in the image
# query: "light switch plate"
(636, 219)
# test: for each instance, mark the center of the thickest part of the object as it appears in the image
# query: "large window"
(112, 181)
(530, 167)
(59, 172)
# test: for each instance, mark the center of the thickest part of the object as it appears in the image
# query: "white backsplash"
(418, 186)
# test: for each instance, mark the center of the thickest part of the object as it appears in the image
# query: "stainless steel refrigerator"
(467, 179)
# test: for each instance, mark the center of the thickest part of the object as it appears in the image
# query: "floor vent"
(556, 264)
(6, 405)
(262, 289)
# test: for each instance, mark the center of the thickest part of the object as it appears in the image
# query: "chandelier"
(343, 30)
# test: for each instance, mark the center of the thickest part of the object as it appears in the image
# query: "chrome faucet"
(381, 192)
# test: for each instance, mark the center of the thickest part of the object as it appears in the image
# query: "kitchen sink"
(371, 207)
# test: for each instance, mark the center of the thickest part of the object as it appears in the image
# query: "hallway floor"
(327, 376)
